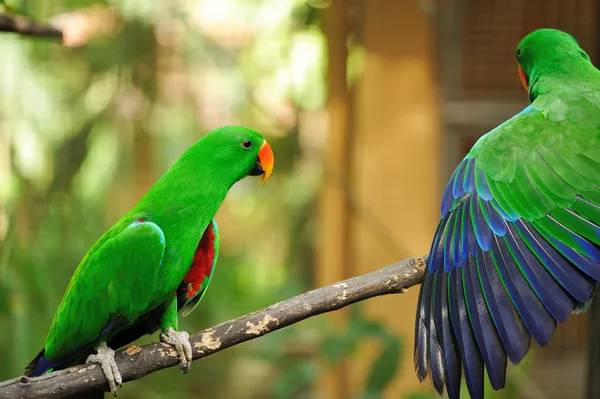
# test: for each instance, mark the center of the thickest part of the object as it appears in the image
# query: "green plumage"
(517, 249)
(137, 266)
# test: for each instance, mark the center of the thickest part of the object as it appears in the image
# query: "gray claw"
(180, 340)
(106, 359)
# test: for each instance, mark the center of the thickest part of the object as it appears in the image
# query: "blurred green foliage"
(86, 128)
(339, 345)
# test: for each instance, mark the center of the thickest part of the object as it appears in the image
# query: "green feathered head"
(232, 151)
(547, 52)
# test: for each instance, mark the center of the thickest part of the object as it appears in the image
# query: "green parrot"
(158, 259)
(517, 249)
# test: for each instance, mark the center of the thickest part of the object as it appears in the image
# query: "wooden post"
(391, 169)
(397, 163)
(334, 260)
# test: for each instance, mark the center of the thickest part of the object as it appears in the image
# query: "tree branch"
(26, 27)
(136, 362)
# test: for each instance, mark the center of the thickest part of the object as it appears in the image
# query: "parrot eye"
(518, 51)
(246, 144)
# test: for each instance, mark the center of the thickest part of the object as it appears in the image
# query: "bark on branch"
(26, 27)
(136, 362)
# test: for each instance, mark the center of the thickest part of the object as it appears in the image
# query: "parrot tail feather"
(38, 366)
(41, 365)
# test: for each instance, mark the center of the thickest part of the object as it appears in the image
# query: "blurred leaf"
(12, 8)
(375, 329)
(384, 368)
(336, 348)
(306, 14)
(420, 395)
(340, 346)
(295, 379)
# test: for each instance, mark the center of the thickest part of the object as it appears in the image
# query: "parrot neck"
(186, 198)
(546, 77)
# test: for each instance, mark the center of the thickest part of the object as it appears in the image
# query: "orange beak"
(523, 78)
(266, 160)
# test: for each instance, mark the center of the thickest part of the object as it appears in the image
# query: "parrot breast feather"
(516, 250)
(197, 279)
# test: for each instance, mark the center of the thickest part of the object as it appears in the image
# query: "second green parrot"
(517, 249)
(158, 259)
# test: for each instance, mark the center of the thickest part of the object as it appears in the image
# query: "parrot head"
(546, 51)
(238, 152)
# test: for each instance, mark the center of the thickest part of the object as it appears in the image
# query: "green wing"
(115, 281)
(517, 247)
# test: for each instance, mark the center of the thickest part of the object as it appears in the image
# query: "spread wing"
(115, 281)
(516, 250)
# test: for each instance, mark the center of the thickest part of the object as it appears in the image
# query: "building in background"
(435, 76)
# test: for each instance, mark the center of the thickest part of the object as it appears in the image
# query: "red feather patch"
(201, 264)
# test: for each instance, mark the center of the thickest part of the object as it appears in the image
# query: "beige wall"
(393, 169)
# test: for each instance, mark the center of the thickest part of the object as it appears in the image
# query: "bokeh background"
(368, 104)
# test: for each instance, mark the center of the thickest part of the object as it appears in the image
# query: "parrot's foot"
(106, 359)
(181, 341)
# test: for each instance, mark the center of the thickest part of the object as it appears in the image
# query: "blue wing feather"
(469, 176)
(485, 332)
(536, 318)
(471, 356)
(458, 256)
(493, 218)
(578, 285)
(558, 303)
(448, 242)
(482, 230)
(437, 362)
(448, 199)
(510, 327)
(457, 187)
(480, 181)
(509, 273)
(422, 330)
(452, 367)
